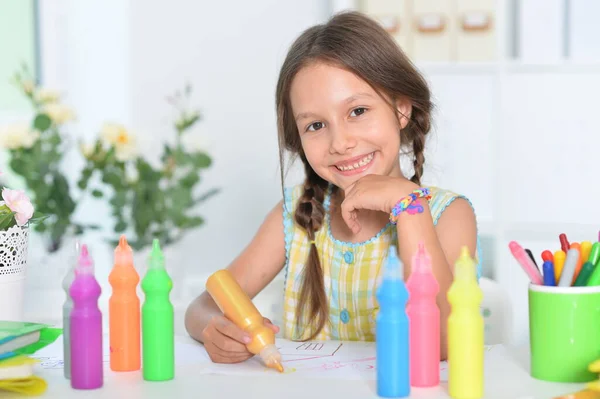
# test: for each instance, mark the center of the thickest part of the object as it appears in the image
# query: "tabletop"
(505, 377)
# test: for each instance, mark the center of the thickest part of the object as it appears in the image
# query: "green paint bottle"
(158, 337)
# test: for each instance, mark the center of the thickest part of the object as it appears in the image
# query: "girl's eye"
(315, 126)
(358, 111)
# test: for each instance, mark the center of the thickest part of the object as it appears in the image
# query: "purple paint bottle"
(86, 326)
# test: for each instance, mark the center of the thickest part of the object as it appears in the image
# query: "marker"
(564, 243)
(595, 253)
(547, 256)
(577, 246)
(584, 274)
(548, 269)
(586, 248)
(568, 272)
(532, 257)
(559, 262)
(528, 266)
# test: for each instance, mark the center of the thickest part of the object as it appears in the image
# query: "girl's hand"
(226, 343)
(373, 192)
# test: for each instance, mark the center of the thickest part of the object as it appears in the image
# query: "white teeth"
(358, 164)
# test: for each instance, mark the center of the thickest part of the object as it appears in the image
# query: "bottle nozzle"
(464, 268)
(272, 357)
(123, 252)
(85, 264)
(421, 259)
(394, 269)
(156, 256)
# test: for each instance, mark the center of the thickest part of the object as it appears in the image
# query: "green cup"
(564, 332)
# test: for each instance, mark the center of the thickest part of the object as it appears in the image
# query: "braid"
(416, 132)
(309, 215)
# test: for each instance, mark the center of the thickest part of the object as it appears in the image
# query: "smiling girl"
(348, 103)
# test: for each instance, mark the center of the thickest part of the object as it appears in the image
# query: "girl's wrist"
(412, 203)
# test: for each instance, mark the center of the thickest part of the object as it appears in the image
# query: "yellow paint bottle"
(465, 331)
(237, 307)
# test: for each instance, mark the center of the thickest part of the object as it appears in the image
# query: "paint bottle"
(86, 326)
(237, 307)
(124, 311)
(424, 320)
(67, 307)
(465, 331)
(158, 335)
(392, 331)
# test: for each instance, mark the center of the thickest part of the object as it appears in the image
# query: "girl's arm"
(455, 228)
(254, 269)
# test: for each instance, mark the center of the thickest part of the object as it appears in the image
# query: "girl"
(348, 101)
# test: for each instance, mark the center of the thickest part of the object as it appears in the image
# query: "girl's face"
(347, 129)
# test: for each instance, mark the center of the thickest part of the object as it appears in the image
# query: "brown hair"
(360, 45)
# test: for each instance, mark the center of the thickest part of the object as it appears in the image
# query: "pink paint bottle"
(86, 326)
(424, 321)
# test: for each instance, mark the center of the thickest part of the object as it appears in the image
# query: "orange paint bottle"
(237, 307)
(124, 311)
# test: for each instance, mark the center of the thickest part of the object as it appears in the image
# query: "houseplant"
(16, 216)
(149, 200)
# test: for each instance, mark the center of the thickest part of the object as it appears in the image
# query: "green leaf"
(206, 196)
(7, 220)
(201, 160)
(120, 227)
(42, 122)
(192, 222)
(97, 193)
(190, 179)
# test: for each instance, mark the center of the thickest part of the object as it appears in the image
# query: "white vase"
(13, 272)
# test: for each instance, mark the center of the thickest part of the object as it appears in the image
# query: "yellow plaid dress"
(350, 271)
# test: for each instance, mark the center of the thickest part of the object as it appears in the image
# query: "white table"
(505, 379)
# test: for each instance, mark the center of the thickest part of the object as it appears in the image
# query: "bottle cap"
(272, 357)
(421, 261)
(157, 260)
(85, 265)
(394, 269)
(464, 268)
(123, 253)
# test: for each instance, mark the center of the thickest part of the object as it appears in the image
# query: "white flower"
(87, 149)
(195, 140)
(59, 113)
(44, 95)
(19, 135)
(122, 139)
(28, 86)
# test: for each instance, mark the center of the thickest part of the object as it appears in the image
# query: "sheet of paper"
(187, 352)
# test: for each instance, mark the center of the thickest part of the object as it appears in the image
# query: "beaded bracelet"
(410, 204)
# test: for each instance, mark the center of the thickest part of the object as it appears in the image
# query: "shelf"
(458, 68)
(567, 67)
(510, 67)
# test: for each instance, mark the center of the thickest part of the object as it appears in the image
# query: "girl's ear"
(404, 108)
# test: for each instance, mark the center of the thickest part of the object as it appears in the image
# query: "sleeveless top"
(350, 271)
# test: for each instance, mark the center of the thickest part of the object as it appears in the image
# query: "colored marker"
(559, 262)
(530, 254)
(547, 256)
(465, 331)
(584, 274)
(564, 243)
(577, 246)
(595, 253)
(424, 321)
(548, 268)
(586, 248)
(566, 277)
(528, 266)
(392, 348)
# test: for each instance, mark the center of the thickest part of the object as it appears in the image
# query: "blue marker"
(392, 334)
(548, 271)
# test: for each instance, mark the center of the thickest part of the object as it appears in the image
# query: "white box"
(434, 30)
(476, 30)
(584, 30)
(541, 27)
(395, 16)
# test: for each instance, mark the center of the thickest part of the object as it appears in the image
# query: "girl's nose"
(342, 141)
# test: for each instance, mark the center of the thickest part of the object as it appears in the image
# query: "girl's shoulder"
(441, 199)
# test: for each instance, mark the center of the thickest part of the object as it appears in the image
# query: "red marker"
(564, 243)
(547, 256)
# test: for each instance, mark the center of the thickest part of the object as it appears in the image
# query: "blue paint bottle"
(392, 332)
